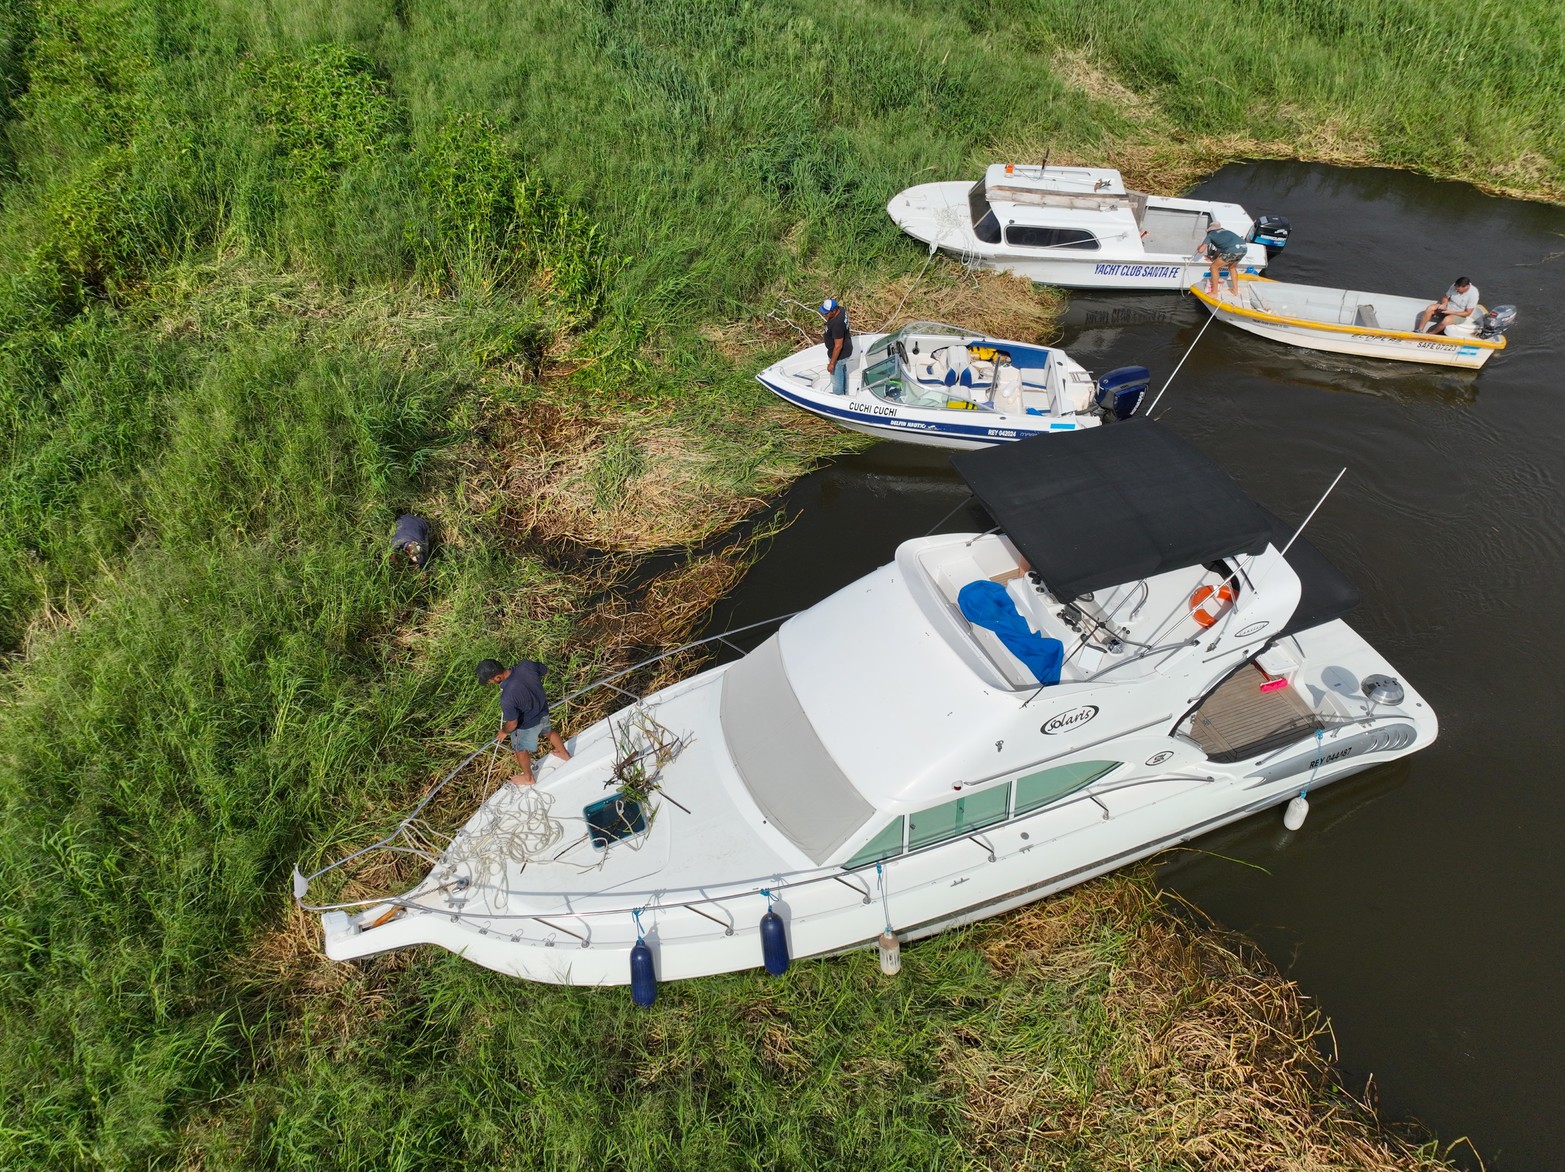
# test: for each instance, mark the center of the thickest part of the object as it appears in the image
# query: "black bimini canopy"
(1116, 504)
(1324, 593)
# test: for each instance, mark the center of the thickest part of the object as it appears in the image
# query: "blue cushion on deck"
(986, 604)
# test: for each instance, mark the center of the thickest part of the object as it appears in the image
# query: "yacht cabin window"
(974, 811)
(964, 815)
(1039, 789)
(885, 844)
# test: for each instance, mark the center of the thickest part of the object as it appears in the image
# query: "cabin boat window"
(985, 226)
(1039, 789)
(1030, 236)
(964, 815)
(885, 844)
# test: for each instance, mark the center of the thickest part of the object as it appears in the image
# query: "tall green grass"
(264, 267)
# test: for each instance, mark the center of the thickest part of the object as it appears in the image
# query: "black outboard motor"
(1272, 232)
(1120, 391)
(1496, 321)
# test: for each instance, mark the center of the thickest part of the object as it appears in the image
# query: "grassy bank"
(271, 273)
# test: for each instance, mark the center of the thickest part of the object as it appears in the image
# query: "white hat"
(828, 305)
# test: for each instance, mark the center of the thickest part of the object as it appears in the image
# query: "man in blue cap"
(524, 712)
(839, 344)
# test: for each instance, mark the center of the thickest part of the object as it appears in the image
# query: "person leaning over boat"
(838, 340)
(412, 539)
(524, 709)
(1456, 306)
(1222, 247)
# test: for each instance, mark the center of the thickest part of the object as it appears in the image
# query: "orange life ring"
(1202, 607)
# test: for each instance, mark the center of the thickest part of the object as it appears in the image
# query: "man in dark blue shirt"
(524, 713)
(412, 539)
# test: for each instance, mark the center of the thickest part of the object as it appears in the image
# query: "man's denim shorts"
(525, 740)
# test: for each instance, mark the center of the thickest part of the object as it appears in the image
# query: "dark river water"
(1421, 905)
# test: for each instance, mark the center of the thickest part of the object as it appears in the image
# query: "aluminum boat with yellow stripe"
(1346, 321)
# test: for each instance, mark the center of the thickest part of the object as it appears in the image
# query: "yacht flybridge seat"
(987, 604)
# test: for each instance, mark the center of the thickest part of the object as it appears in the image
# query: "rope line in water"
(1208, 322)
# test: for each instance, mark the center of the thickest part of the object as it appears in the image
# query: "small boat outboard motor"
(1496, 321)
(1120, 391)
(1272, 233)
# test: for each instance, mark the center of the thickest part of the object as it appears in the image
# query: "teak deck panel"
(1238, 719)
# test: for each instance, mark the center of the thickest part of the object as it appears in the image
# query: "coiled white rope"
(517, 828)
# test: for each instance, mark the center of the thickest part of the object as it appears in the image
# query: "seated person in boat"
(524, 709)
(1222, 247)
(1458, 304)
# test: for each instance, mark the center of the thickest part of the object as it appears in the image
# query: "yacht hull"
(922, 894)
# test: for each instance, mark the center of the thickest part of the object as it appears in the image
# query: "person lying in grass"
(411, 539)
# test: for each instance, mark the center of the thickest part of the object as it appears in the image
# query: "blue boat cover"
(987, 605)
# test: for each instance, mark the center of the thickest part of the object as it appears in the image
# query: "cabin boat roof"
(1024, 184)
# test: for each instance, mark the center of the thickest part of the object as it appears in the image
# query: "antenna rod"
(1148, 411)
(1313, 511)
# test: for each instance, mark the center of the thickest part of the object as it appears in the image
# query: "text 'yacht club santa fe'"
(1346, 321)
(1078, 227)
(943, 386)
(949, 737)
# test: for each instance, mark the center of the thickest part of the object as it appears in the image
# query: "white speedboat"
(1079, 227)
(947, 387)
(1140, 653)
(1346, 321)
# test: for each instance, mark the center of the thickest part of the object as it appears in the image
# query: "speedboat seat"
(956, 364)
(1008, 390)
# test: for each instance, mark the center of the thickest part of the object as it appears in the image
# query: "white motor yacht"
(943, 386)
(1138, 654)
(1077, 227)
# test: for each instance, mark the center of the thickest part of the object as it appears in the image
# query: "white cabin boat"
(1346, 321)
(1077, 227)
(885, 762)
(943, 386)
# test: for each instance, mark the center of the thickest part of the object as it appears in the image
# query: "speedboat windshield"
(925, 328)
(897, 341)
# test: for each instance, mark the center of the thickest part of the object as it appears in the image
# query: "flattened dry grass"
(1205, 1056)
(622, 482)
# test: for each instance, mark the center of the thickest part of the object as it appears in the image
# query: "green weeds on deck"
(271, 272)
